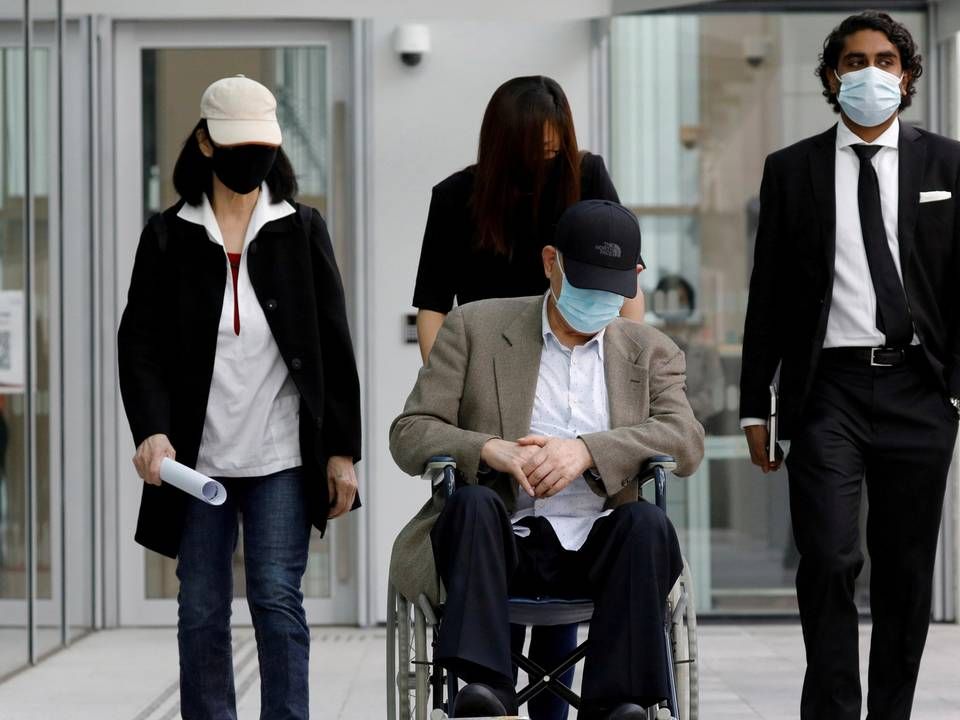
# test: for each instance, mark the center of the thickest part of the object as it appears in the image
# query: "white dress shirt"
(571, 400)
(252, 426)
(853, 309)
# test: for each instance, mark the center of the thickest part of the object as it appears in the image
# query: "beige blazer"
(479, 383)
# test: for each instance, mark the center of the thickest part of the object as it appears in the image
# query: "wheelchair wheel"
(683, 637)
(408, 671)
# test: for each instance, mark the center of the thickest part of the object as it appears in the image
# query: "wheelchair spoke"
(391, 653)
(683, 646)
(421, 666)
(405, 655)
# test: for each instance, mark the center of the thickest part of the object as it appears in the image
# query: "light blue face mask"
(586, 311)
(869, 96)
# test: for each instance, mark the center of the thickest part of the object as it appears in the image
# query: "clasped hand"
(543, 466)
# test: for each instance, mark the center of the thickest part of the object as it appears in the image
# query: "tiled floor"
(747, 672)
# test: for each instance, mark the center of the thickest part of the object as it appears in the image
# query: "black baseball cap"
(600, 244)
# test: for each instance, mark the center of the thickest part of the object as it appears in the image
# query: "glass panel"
(689, 164)
(13, 495)
(173, 81)
(76, 331)
(44, 173)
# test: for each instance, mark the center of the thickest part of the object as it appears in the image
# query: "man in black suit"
(855, 297)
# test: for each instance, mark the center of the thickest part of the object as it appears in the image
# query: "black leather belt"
(872, 356)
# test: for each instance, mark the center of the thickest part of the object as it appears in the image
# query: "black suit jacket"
(168, 340)
(792, 281)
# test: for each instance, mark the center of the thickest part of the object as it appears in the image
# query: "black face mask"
(243, 168)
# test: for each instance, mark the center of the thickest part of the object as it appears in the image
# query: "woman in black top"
(485, 231)
(489, 222)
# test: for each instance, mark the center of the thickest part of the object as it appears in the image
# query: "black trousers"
(894, 428)
(628, 565)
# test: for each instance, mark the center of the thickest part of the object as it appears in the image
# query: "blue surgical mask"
(586, 311)
(869, 96)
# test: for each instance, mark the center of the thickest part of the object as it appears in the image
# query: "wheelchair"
(418, 689)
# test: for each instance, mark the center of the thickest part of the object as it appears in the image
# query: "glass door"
(14, 639)
(32, 578)
(161, 72)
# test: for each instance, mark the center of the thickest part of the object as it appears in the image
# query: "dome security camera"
(755, 50)
(411, 43)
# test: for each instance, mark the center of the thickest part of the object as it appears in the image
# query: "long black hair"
(510, 158)
(910, 60)
(193, 173)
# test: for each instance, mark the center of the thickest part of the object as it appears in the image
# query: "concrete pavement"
(747, 672)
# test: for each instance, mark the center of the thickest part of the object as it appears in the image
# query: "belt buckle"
(874, 362)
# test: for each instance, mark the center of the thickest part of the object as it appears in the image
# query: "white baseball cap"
(239, 110)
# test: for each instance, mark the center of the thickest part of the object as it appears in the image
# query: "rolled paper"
(192, 482)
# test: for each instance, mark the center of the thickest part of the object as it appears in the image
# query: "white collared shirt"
(571, 400)
(252, 426)
(853, 310)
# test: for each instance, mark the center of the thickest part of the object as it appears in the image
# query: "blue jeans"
(276, 535)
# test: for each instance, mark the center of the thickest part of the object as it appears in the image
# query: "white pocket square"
(935, 195)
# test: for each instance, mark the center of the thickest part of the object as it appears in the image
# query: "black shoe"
(628, 711)
(477, 700)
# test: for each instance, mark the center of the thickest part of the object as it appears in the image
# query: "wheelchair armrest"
(441, 470)
(649, 469)
(656, 468)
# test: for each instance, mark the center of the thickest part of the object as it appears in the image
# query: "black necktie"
(893, 315)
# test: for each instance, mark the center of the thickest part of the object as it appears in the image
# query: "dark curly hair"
(910, 59)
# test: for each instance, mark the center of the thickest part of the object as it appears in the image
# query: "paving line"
(159, 701)
(156, 709)
(242, 655)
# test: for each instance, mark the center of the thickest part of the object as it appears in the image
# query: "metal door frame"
(122, 212)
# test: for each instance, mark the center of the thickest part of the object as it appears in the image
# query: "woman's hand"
(342, 484)
(150, 454)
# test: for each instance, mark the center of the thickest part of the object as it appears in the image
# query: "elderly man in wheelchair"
(550, 407)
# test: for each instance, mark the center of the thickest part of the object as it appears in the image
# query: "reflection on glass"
(173, 81)
(43, 130)
(13, 517)
(688, 145)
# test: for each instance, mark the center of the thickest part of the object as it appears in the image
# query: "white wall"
(426, 122)
(341, 9)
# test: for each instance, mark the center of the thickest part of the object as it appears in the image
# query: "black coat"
(449, 241)
(792, 282)
(168, 340)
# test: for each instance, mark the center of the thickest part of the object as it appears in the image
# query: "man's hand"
(508, 457)
(341, 484)
(556, 463)
(150, 454)
(757, 440)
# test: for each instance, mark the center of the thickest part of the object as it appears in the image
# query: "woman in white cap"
(235, 358)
